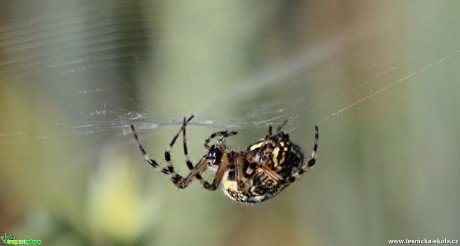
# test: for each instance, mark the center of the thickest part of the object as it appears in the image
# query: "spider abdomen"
(258, 189)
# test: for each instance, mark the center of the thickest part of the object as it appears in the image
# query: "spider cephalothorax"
(252, 175)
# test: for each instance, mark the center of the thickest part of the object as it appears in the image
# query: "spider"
(253, 175)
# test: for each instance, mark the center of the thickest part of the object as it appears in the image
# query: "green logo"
(7, 237)
(11, 240)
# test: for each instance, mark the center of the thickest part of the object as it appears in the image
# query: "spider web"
(91, 69)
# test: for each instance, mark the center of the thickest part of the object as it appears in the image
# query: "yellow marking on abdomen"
(275, 156)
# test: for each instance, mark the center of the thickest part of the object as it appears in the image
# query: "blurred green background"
(382, 78)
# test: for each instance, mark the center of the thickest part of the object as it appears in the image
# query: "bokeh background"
(381, 78)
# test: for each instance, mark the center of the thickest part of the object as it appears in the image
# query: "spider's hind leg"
(310, 162)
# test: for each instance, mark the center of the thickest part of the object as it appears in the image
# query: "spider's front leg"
(223, 134)
(169, 169)
(146, 156)
(175, 177)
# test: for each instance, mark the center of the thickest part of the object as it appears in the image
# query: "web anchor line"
(351, 105)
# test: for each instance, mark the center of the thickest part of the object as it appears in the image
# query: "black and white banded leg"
(222, 134)
(310, 162)
(169, 169)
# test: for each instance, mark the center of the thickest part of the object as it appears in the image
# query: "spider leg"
(201, 166)
(195, 172)
(217, 178)
(270, 132)
(310, 162)
(175, 177)
(241, 178)
(169, 170)
(184, 141)
(281, 126)
(222, 134)
(250, 170)
(199, 169)
(278, 129)
(146, 156)
(272, 174)
(254, 167)
(262, 167)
